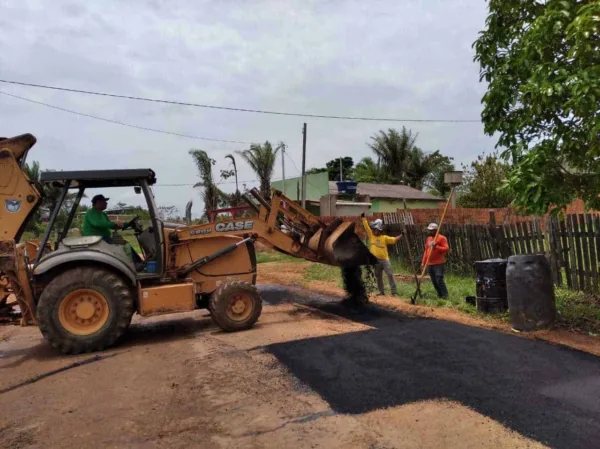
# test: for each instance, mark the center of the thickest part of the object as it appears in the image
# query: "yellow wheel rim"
(83, 312)
(240, 307)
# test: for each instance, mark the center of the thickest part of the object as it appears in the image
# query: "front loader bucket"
(340, 245)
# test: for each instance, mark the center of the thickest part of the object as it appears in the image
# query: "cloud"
(409, 59)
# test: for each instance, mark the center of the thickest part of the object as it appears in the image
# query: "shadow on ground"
(546, 392)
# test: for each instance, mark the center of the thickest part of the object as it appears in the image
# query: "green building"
(322, 195)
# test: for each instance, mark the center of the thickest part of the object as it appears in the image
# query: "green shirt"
(96, 222)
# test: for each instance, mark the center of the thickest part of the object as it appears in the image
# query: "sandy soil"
(291, 274)
(179, 382)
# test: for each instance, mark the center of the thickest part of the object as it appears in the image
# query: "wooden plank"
(585, 265)
(565, 243)
(475, 242)
(579, 253)
(537, 236)
(491, 241)
(485, 240)
(533, 236)
(555, 249)
(505, 249)
(572, 252)
(519, 245)
(526, 236)
(509, 239)
(510, 228)
(592, 248)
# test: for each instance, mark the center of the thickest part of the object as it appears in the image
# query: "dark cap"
(99, 198)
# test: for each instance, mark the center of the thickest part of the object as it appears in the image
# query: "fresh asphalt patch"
(543, 391)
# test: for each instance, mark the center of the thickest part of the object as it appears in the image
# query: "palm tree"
(435, 180)
(261, 158)
(211, 195)
(400, 161)
(367, 170)
(393, 150)
(230, 156)
(422, 165)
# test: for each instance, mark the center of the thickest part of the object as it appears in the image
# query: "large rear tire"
(235, 306)
(85, 309)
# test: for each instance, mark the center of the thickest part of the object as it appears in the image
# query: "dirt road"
(311, 374)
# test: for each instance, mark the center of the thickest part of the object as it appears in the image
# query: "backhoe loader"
(82, 291)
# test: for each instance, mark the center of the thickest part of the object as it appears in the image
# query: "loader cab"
(72, 187)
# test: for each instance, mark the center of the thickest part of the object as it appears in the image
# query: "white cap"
(378, 224)
(432, 227)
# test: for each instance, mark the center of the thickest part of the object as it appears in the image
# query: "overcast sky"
(405, 59)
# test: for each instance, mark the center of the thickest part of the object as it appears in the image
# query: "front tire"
(85, 309)
(235, 306)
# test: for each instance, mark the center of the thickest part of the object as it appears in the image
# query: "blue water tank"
(347, 187)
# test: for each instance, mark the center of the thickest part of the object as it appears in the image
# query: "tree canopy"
(435, 181)
(333, 169)
(541, 61)
(212, 196)
(261, 159)
(399, 160)
(482, 183)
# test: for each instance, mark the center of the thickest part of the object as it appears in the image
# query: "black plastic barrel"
(491, 285)
(530, 292)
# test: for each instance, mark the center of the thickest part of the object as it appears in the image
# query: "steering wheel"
(134, 224)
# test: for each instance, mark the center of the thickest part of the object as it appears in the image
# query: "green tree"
(400, 161)
(367, 170)
(541, 61)
(435, 181)
(211, 195)
(393, 150)
(482, 183)
(333, 169)
(261, 159)
(422, 165)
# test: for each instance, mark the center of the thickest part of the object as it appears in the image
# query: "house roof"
(395, 191)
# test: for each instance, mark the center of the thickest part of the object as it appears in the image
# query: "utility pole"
(304, 167)
(283, 166)
(341, 177)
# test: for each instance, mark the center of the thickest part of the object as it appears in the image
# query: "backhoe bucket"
(340, 246)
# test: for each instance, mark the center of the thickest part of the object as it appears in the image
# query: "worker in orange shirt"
(438, 248)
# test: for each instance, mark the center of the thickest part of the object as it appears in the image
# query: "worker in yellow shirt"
(378, 243)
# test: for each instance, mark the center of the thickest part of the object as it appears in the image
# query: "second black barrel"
(491, 285)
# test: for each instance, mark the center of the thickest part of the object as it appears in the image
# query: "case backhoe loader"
(83, 291)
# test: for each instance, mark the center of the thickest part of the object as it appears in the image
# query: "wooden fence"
(572, 245)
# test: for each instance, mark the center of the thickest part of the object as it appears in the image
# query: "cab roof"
(99, 178)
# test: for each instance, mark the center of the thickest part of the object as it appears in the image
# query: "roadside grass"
(324, 273)
(578, 311)
(274, 256)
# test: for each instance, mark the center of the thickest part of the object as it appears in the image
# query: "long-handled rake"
(413, 298)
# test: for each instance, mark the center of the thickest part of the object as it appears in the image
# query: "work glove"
(362, 215)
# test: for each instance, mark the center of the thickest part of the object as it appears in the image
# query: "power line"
(219, 183)
(293, 163)
(116, 122)
(257, 111)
